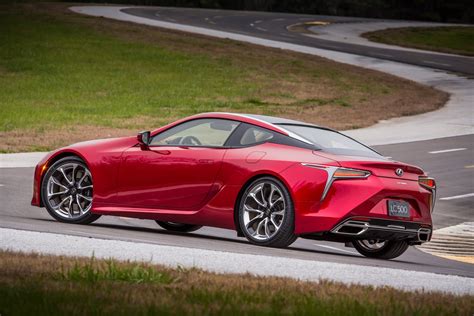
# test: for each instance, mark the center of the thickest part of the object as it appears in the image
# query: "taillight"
(337, 173)
(428, 183)
(345, 173)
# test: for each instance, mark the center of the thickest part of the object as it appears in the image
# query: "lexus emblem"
(399, 172)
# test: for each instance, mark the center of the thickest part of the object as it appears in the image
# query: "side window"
(254, 135)
(199, 132)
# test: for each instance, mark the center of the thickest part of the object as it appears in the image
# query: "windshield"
(330, 141)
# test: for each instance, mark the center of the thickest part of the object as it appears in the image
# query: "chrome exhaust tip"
(351, 228)
(424, 234)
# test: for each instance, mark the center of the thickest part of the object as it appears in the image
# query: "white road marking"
(261, 29)
(455, 197)
(280, 19)
(2, 185)
(446, 150)
(252, 25)
(157, 14)
(258, 21)
(209, 21)
(435, 63)
(338, 249)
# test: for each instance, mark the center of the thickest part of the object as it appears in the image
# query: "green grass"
(49, 285)
(91, 272)
(455, 40)
(63, 73)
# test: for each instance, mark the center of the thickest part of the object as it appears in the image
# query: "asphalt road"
(273, 26)
(453, 171)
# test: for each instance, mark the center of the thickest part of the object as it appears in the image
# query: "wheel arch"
(245, 186)
(51, 161)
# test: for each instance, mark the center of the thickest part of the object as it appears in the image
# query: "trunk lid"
(380, 167)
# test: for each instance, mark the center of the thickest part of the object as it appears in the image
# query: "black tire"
(87, 217)
(178, 227)
(284, 236)
(392, 249)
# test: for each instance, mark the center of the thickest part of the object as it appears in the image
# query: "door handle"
(162, 152)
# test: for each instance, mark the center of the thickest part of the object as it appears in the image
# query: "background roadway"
(273, 26)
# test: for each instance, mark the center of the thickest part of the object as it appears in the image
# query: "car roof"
(276, 124)
(270, 122)
(277, 120)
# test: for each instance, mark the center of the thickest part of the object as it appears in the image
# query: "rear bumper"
(383, 229)
(345, 199)
(376, 228)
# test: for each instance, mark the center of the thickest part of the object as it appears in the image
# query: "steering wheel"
(190, 140)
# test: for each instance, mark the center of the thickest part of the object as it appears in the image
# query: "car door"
(178, 170)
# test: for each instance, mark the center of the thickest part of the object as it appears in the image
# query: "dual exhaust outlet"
(359, 228)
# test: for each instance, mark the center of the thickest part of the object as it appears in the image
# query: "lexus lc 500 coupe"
(270, 179)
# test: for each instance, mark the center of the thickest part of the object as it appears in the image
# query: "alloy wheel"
(263, 211)
(371, 244)
(69, 190)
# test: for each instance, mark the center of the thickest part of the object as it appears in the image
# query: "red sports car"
(270, 179)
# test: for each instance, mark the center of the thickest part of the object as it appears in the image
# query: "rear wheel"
(178, 227)
(380, 249)
(67, 191)
(266, 214)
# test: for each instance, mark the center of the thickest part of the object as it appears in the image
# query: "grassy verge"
(47, 285)
(454, 40)
(65, 77)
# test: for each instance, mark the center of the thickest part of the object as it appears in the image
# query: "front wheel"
(380, 249)
(67, 190)
(266, 213)
(178, 227)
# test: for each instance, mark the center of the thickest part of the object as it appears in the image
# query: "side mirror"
(144, 138)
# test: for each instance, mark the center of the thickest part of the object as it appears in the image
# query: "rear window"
(331, 142)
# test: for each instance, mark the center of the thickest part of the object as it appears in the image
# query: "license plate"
(398, 208)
